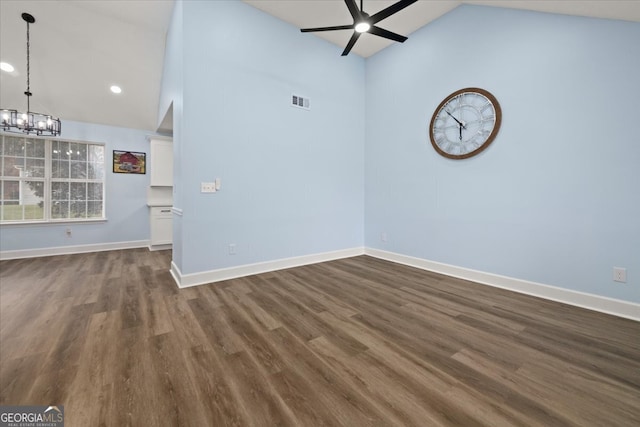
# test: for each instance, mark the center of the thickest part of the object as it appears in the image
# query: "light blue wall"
(555, 199)
(171, 95)
(126, 198)
(292, 180)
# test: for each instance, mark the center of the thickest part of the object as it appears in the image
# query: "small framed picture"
(129, 162)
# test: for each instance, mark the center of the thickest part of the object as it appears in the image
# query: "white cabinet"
(159, 194)
(161, 226)
(161, 164)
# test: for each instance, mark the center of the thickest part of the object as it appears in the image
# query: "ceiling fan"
(363, 23)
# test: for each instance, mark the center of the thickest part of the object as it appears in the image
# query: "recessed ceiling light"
(116, 89)
(5, 66)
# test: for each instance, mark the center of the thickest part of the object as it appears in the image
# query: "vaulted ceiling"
(80, 48)
(321, 13)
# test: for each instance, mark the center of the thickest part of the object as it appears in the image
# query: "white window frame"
(48, 180)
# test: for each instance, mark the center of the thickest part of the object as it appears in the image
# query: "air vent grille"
(300, 102)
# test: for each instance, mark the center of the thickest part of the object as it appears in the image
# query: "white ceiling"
(325, 13)
(79, 48)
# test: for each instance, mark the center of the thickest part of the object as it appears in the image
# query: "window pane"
(59, 150)
(32, 197)
(94, 191)
(32, 190)
(78, 209)
(12, 166)
(59, 191)
(59, 210)
(96, 162)
(34, 148)
(23, 200)
(10, 190)
(78, 151)
(59, 169)
(78, 170)
(95, 171)
(96, 153)
(94, 209)
(34, 168)
(78, 191)
(13, 146)
(11, 211)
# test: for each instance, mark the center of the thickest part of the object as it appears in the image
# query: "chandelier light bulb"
(363, 27)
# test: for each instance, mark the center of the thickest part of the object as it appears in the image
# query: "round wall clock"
(465, 123)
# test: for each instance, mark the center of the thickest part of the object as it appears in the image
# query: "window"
(44, 180)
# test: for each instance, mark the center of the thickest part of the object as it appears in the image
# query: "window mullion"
(47, 179)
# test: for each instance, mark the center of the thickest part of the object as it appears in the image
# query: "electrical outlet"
(232, 249)
(68, 231)
(620, 274)
(383, 237)
(207, 187)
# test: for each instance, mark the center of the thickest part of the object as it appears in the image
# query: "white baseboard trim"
(176, 273)
(195, 279)
(160, 247)
(602, 304)
(67, 250)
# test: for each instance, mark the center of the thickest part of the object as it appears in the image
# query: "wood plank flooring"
(354, 342)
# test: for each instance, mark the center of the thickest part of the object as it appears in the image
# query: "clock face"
(465, 123)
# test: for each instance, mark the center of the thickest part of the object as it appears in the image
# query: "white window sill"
(53, 222)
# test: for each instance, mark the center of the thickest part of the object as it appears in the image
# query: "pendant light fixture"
(29, 122)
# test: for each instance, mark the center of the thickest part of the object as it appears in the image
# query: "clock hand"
(453, 117)
(461, 124)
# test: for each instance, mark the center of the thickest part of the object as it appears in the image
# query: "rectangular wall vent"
(300, 102)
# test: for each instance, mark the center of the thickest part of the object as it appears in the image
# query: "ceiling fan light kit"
(29, 122)
(363, 23)
(362, 27)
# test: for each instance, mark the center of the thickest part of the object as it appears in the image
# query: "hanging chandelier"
(29, 122)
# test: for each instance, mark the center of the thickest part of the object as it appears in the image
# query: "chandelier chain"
(28, 92)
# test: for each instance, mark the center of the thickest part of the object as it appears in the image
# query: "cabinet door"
(161, 163)
(161, 226)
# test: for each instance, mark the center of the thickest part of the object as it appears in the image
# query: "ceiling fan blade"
(339, 27)
(352, 41)
(385, 13)
(353, 9)
(386, 34)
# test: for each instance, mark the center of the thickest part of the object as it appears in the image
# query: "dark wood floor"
(354, 342)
